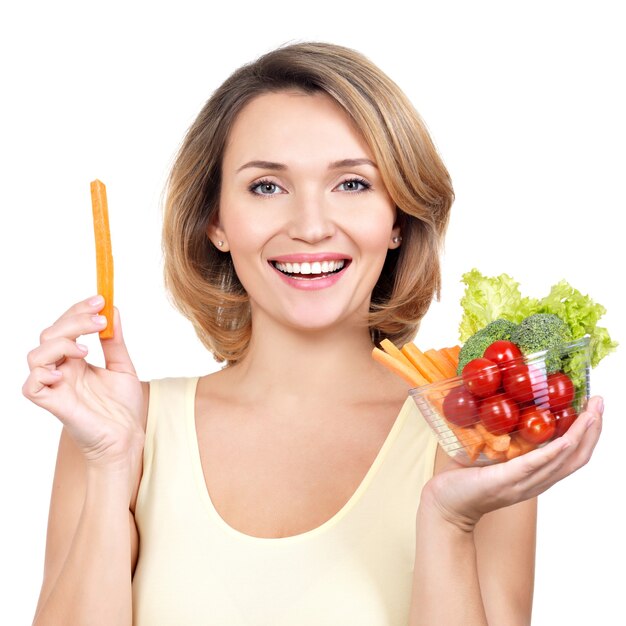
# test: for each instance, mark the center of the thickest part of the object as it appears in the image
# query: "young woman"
(298, 484)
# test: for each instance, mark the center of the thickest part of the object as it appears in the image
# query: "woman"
(297, 485)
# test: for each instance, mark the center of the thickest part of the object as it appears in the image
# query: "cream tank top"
(196, 570)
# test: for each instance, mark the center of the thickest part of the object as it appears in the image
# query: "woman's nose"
(311, 219)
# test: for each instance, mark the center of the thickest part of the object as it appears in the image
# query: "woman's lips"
(314, 273)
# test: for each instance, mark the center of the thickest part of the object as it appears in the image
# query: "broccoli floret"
(476, 345)
(542, 331)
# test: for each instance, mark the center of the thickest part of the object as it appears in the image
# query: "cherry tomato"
(524, 383)
(564, 419)
(537, 425)
(560, 390)
(499, 414)
(482, 377)
(502, 351)
(460, 407)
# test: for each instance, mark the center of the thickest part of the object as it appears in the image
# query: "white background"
(525, 102)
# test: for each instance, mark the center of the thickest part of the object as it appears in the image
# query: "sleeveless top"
(195, 569)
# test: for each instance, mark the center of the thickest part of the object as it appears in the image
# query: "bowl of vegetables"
(506, 403)
(518, 378)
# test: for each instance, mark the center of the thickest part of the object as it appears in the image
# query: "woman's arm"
(474, 562)
(91, 546)
(89, 552)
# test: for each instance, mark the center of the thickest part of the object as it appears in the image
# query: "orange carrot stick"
(392, 350)
(453, 353)
(500, 443)
(448, 358)
(525, 446)
(421, 362)
(514, 449)
(495, 455)
(104, 254)
(470, 438)
(441, 363)
(407, 372)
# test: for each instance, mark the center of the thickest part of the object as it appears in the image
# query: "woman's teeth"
(317, 267)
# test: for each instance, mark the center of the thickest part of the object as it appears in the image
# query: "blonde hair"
(202, 280)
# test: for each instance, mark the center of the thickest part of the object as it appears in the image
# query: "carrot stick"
(495, 455)
(390, 348)
(407, 372)
(441, 363)
(454, 353)
(514, 449)
(470, 438)
(449, 358)
(104, 254)
(423, 364)
(499, 443)
(525, 446)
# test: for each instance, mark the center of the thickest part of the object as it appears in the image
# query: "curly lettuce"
(490, 298)
(499, 297)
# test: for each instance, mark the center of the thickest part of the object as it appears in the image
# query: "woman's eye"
(265, 188)
(354, 184)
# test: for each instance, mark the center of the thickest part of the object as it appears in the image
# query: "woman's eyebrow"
(351, 163)
(272, 165)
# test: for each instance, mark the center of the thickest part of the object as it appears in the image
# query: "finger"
(40, 378)
(73, 326)
(561, 457)
(116, 355)
(588, 426)
(52, 353)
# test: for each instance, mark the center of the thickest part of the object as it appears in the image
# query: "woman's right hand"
(101, 408)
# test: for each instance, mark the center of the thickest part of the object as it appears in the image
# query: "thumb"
(116, 357)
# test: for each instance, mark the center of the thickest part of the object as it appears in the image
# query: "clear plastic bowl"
(469, 441)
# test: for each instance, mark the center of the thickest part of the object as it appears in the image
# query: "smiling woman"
(299, 484)
(391, 142)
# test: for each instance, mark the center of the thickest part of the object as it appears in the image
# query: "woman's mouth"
(310, 271)
(311, 274)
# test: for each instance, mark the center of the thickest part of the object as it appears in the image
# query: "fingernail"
(55, 373)
(81, 347)
(96, 301)
(99, 319)
(590, 422)
(600, 406)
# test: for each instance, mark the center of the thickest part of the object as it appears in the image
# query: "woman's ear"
(395, 239)
(216, 234)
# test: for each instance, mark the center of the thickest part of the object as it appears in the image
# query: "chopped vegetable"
(423, 364)
(104, 254)
(409, 373)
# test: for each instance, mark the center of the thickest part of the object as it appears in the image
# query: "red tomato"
(560, 390)
(502, 351)
(482, 377)
(537, 425)
(524, 383)
(460, 407)
(499, 414)
(564, 419)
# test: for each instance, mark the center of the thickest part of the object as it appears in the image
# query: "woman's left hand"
(463, 495)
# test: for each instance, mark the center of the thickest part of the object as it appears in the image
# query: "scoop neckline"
(205, 496)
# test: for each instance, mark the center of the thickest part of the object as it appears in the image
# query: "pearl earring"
(397, 239)
(220, 243)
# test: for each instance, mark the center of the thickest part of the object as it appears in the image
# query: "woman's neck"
(290, 365)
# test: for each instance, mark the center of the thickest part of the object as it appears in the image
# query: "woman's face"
(303, 211)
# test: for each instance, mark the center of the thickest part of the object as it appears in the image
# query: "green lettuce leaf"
(490, 298)
(582, 315)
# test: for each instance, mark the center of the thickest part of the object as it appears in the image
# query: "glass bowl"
(529, 401)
